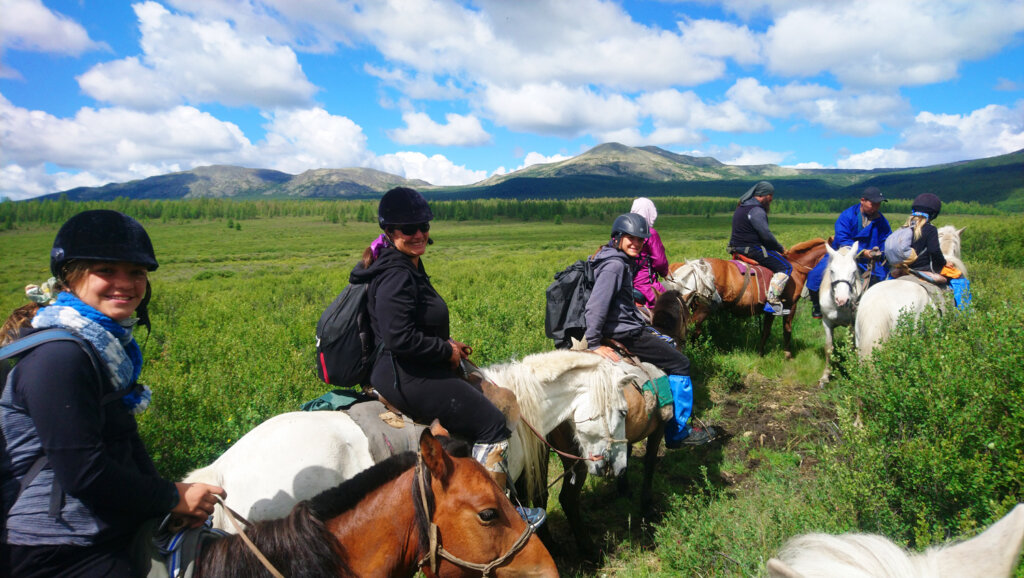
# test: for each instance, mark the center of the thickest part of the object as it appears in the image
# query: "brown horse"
(434, 512)
(644, 421)
(743, 297)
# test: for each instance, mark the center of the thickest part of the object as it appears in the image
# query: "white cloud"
(460, 130)
(186, 60)
(557, 109)
(436, 169)
(28, 25)
(101, 138)
(735, 154)
(885, 43)
(535, 158)
(942, 138)
(299, 140)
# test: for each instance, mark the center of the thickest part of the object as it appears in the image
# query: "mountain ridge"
(608, 170)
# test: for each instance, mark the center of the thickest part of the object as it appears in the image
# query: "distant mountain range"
(607, 170)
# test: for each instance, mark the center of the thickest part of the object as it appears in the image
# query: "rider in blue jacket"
(864, 224)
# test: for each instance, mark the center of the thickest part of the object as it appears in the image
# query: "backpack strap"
(22, 346)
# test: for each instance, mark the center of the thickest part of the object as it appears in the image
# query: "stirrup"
(777, 309)
(532, 516)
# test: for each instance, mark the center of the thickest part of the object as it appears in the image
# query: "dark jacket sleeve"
(394, 308)
(92, 449)
(759, 220)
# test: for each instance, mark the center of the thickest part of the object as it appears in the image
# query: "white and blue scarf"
(114, 343)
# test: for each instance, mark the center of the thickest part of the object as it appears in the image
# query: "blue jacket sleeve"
(846, 228)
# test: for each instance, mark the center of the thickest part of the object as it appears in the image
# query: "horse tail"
(297, 545)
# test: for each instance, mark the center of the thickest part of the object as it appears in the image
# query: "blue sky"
(97, 91)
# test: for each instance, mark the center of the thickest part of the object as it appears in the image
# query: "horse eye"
(623, 413)
(488, 515)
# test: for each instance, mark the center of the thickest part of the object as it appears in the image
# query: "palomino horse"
(841, 288)
(294, 456)
(432, 511)
(741, 296)
(883, 303)
(644, 421)
(991, 554)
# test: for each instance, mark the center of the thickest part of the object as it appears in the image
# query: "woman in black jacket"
(417, 371)
(77, 482)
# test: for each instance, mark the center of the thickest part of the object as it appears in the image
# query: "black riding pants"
(651, 349)
(427, 395)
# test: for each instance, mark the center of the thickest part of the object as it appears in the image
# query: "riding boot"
(776, 287)
(678, 431)
(815, 304)
(494, 458)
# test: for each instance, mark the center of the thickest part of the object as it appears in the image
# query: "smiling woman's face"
(412, 245)
(115, 289)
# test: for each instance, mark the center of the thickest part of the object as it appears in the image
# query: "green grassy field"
(234, 312)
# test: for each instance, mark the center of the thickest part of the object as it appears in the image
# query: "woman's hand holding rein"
(460, 351)
(196, 502)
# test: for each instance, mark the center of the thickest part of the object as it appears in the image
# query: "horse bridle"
(436, 550)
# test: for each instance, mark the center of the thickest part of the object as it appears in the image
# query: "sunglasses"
(410, 230)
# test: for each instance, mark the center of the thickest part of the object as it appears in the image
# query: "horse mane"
(527, 378)
(949, 241)
(850, 555)
(805, 246)
(297, 545)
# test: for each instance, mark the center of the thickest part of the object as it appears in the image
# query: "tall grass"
(921, 444)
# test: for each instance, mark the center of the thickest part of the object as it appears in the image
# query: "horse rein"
(234, 517)
(436, 549)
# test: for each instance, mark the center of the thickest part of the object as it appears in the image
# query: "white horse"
(992, 554)
(841, 288)
(295, 456)
(883, 303)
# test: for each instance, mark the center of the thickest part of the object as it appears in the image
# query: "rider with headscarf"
(652, 261)
(752, 238)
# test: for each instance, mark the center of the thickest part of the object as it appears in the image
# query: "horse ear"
(434, 456)
(854, 248)
(779, 569)
(960, 231)
(994, 552)
(438, 430)
(831, 251)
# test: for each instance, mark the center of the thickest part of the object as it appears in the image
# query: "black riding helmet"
(101, 235)
(630, 224)
(927, 203)
(402, 206)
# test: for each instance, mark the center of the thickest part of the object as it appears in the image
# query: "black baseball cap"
(873, 194)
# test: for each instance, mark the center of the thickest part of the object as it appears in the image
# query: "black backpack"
(344, 340)
(567, 302)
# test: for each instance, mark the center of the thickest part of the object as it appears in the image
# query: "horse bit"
(436, 549)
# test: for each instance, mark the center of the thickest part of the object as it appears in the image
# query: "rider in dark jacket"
(752, 238)
(93, 484)
(417, 371)
(611, 313)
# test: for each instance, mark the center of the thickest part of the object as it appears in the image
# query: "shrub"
(933, 427)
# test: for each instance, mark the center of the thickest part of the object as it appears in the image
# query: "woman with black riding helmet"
(611, 313)
(417, 371)
(77, 481)
(925, 209)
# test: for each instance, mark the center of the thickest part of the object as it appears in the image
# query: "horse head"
(843, 274)
(600, 421)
